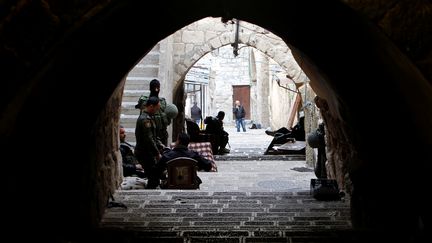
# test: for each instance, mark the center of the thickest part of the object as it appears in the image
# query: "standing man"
(147, 144)
(196, 114)
(160, 116)
(239, 114)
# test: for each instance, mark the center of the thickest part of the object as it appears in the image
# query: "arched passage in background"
(174, 56)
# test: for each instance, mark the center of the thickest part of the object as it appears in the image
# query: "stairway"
(205, 216)
(137, 84)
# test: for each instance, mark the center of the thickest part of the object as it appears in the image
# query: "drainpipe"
(236, 40)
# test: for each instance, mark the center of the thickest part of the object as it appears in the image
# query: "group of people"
(213, 133)
(215, 128)
(151, 153)
(239, 113)
(148, 159)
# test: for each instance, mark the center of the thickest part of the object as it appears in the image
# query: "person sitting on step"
(283, 135)
(181, 150)
(131, 166)
(215, 127)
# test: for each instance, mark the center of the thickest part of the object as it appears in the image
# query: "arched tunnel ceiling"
(95, 48)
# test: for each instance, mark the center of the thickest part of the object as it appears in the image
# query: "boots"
(271, 133)
(223, 151)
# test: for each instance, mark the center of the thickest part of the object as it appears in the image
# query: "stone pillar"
(262, 70)
(311, 123)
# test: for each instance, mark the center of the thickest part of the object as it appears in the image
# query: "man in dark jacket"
(131, 166)
(148, 146)
(215, 127)
(181, 150)
(283, 135)
(160, 117)
(239, 115)
(196, 113)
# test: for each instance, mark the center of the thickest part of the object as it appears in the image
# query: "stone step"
(223, 216)
(143, 71)
(129, 104)
(133, 97)
(129, 121)
(139, 80)
(137, 86)
(135, 92)
(129, 111)
(115, 234)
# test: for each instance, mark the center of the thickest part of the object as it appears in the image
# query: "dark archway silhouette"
(78, 66)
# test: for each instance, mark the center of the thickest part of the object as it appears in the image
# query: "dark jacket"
(129, 160)
(214, 125)
(145, 133)
(239, 112)
(182, 151)
(196, 112)
(160, 118)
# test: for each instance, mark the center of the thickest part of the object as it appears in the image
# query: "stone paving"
(204, 216)
(245, 168)
(250, 199)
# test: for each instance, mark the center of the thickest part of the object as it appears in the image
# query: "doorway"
(242, 93)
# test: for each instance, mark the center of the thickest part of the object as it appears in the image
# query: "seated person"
(284, 135)
(296, 132)
(131, 167)
(193, 131)
(199, 136)
(282, 130)
(181, 150)
(215, 127)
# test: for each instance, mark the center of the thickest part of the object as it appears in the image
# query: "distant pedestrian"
(239, 115)
(196, 113)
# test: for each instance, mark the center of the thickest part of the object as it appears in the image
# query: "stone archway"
(349, 48)
(201, 37)
(213, 33)
(181, 50)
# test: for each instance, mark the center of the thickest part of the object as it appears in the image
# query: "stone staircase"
(204, 216)
(137, 84)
